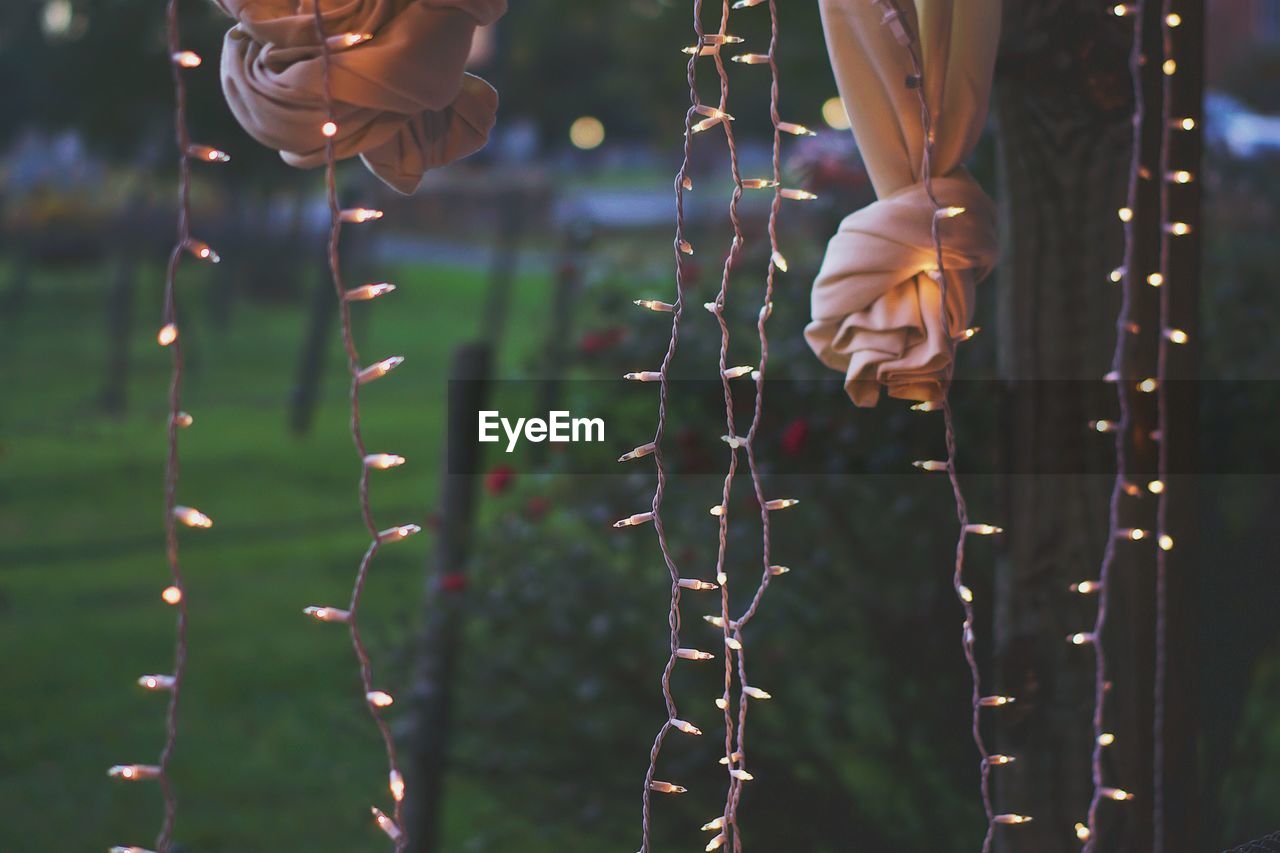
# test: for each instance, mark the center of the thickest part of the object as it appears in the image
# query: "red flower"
(793, 436)
(499, 479)
(594, 343)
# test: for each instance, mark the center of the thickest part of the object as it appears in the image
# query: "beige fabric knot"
(401, 101)
(876, 308)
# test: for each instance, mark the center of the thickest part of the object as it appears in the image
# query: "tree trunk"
(1063, 102)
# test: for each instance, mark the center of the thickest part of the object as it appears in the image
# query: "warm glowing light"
(740, 774)
(1176, 336)
(1012, 818)
(1181, 176)
(182, 420)
(833, 113)
(1106, 739)
(686, 247)
(1125, 214)
(1000, 760)
(930, 464)
(128, 849)
(1169, 67)
(365, 292)
(395, 534)
(1117, 274)
(360, 214)
(168, 334)
(705, 50)
(694, 654)
(379, 369)
(758, 184)
(1082, 832)
(644, 376)
(171, 595)
(1155, 487)
(1165, 541)
(995, 701)
(1155, 279)
(751, 58)
(778, 570)
(781, 503)
(781, 263)
(639, 452)
(696, 585)
(192, 517)
(382, 461)
(1120, 10)
(586, 133)
(1102, 425)
(1134, 533)
(757, 693)
(666, 787)
(1118, 794)
(795, 129)
(654, 305)
(949, 212)
(327, 614)
(715, 843)
(927, 406)
(719, 510)
(1086, 587)
(740, 370)
(207, 154)
(341, 42)
(1178, 229)
(203, 251)
(797, 195)
(1173, 19)
(1184, 123)
(733, 643)
(379, 698)
(134, 772)
(187, 59)
(966, 594)
(157, 682)
(329, 129)
(1080, 639)
(686, 727)
(1148, 385)
(387, 825)
(633, 520)
(983, 529)
(396, 783)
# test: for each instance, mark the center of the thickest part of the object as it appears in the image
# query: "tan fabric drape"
(401, 100)
(876, 311)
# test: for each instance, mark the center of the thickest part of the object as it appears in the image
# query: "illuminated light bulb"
(967, 334)
(751, 58)
(715, 843)
(797, 195)
(781, 263)
(378, 369)
(780, 503)
(983, 529)
(1181, 176)
(706, 124)
(134, 772)
(710, 111)
(686, 247)
(638, 453)
(1080, 639)
(208, 154)
(327, 614)
(948, 212)
(999, 760)
(758, 184)
(329, 129)
(202, 250)
(654, 305)
(795, 129)
(1148, 385)
(718, 823)
(643, 376)
(1155, 279)
(192, 517)
(171, 595)
(966, 594)
(1106, 739)
(128, 849)
(685, 726)
(694, 654)
(365, 292)
(1012, 819)
(1117, 794)
(1131, 490)
(926, 406)
(1155, 487)
(157, 682)
(395, 534)
(712, 307)
(714, 620)
(396, 783)
(930, 464)
(735, 757)
(346, 40)
(168, 334)
(722, 578)
(740, 370)
(1173, 19)
(1132, 328)
(1135, 534)
(705, 50)
(995, 701)
(1120, 10)
(1086, 587)
(1165, 541)
(757, 693)
(1183, 123)
(733, 643)
(721, 38)
(666, 787)
(382, 461)
(696, 584)
(719, 510)
(387, 825)
(1102, 425)
(722, 703)
(1082, 832)
(740, 774)
(686, 182)
(734, 441)
(1178, 229)
(360, 214)
(1117, 274)
(379, 698)
(1169, 67)
(1112, 376)
(1176, 336)
(182, 420)
(1125, 214)
(187, 59)
(778, 570)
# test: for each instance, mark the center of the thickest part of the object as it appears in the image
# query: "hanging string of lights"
(898, 24)
(174, 514)
(375, 700)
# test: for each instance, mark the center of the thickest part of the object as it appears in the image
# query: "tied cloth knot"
(877, 312)
(401, 101)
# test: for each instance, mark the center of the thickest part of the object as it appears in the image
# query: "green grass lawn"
(276, 750)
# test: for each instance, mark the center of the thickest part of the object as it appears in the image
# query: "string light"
(182, 420)
(135, 772)
(375, 700)
(206, 154)
(172, 595)
(192, 517)
(168, 334)
(157, 682)
(201, 249)
(186, 59)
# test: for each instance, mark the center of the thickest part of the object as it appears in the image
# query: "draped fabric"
(876, 306)
(401, 100)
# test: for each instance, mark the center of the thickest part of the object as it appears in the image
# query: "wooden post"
(1063, 105)
(577, 238)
